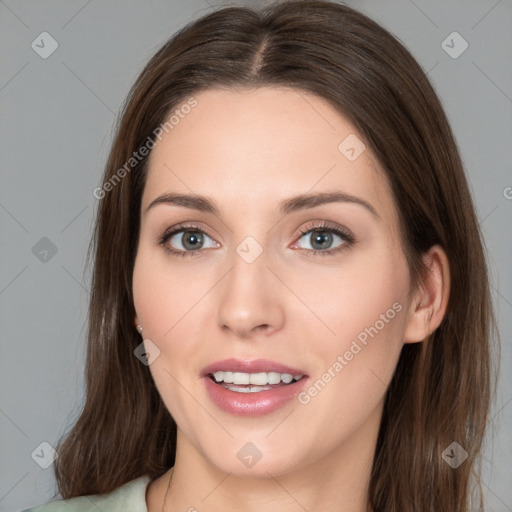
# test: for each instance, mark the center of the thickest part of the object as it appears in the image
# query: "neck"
(336, 482)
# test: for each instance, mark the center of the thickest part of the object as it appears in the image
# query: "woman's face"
(264, 178)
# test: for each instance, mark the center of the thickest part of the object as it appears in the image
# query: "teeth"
(260, 379)
(256, 379)
(274, 378)
(228, 377)
(286, 378)
(241, 378)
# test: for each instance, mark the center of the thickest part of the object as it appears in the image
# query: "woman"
(290, 306)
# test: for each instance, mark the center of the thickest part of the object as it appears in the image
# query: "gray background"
(57, 119)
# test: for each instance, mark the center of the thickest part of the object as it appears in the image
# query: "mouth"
(252, 388)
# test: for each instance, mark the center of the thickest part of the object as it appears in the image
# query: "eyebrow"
(292, 204)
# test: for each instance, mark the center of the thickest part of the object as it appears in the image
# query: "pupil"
(323, 238)
(192, 239)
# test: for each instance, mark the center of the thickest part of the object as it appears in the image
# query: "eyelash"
(348, 238)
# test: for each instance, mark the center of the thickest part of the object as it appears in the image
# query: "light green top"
(130, 497)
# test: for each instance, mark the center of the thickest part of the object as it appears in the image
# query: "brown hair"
(441, 390)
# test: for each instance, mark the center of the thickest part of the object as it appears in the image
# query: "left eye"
(322, 239)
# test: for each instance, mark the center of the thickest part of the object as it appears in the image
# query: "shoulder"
(130, 497)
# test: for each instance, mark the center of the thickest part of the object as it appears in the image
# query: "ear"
(429, 303)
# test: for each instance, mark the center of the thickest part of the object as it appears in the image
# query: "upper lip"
(254, 366)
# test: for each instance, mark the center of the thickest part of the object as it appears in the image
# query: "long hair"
(442, 388)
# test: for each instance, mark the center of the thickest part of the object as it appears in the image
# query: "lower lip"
(252, 404)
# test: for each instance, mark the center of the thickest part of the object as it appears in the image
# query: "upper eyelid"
(193, 226)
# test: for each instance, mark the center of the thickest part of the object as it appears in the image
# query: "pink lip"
(252, 404)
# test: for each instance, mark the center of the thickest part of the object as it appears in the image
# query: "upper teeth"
(258, 379)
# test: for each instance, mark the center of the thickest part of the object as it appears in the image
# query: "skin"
(248, 150)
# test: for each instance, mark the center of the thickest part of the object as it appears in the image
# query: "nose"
(251, 299)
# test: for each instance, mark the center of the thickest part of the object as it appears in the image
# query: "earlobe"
(429, 305)
(137, 325)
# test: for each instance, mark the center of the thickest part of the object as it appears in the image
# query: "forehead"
(252, 148)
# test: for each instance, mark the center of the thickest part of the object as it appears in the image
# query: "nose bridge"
(249, 299)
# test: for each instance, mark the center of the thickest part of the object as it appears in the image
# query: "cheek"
(161, 294)
(163, 302)
(168, 301)
(366, 314)
(357, 294)
(362, 336)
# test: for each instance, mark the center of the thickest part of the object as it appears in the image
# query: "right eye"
(186, 240)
